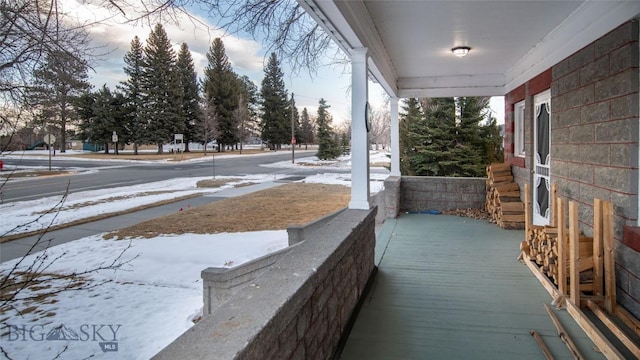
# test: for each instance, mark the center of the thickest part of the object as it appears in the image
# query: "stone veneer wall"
(594, 144)
(298, 308)
(594, 141)
(421, 193)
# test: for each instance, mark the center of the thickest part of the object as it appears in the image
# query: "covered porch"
(569, 73)
(449, 287)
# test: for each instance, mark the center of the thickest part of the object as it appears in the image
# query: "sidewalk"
(18, 248)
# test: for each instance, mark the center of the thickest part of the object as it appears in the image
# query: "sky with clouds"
(247, 56)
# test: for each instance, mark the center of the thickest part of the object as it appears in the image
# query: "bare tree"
(30, 32)
(33, 32)
(380, 131)
(210, 122)
(241, 116)
(283, 25)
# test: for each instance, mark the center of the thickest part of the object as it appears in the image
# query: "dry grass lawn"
(35, 173)
(270, 209)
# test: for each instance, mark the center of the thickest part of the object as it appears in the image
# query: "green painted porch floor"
(449, 287)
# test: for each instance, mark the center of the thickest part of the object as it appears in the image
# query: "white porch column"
(395, 138)
(359, 135)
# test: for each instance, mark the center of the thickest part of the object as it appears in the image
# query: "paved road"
(115, 174)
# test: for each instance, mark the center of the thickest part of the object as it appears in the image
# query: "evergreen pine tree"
(469, 150)
(435, 138)
(132, 89)
(102, 113)
(241, 116)
(162, 111)
(275, 105)
(328, 147)
(249, 91)
(190, 96)
(475, 113)
(306, 129)
(59, 82)
(222, 87)
(411, 118)
(492, 141)
(448, 139)
(84, 105)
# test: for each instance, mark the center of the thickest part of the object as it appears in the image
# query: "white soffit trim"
(362, 34)
(587, 23)
(458, 85)
(356, 14)
(452, 92)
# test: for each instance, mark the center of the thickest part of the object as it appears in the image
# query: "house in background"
(569, 74)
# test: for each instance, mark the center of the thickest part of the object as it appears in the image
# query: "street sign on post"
(114, 139)
(49, 140)
(178, 139)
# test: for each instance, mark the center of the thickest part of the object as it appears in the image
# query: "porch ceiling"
(410, 42)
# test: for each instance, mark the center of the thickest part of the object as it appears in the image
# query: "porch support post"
(359, 135)
(395, 138)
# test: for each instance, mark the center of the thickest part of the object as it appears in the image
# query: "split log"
(502, 200)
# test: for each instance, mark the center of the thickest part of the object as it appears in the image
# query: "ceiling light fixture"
(460, 51)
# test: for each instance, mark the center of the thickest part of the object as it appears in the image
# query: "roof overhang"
(409, 42)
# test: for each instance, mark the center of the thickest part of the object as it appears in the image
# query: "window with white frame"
(518, 129)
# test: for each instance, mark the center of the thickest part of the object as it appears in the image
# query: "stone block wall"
(298, 233)
(392, 196)
(298, 308)
(421, 193)
(220, 284)
(594, 140)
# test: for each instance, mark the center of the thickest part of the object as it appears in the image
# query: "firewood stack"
(503, 197)
(542, 247)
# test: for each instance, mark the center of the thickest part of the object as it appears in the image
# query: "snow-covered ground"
(149, 302)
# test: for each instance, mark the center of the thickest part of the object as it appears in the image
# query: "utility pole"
(293, 135)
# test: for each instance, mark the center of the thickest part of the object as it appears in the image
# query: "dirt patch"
(221, 182)
(270, 209)
(211, 183)
(35, 173)
(32, 289)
